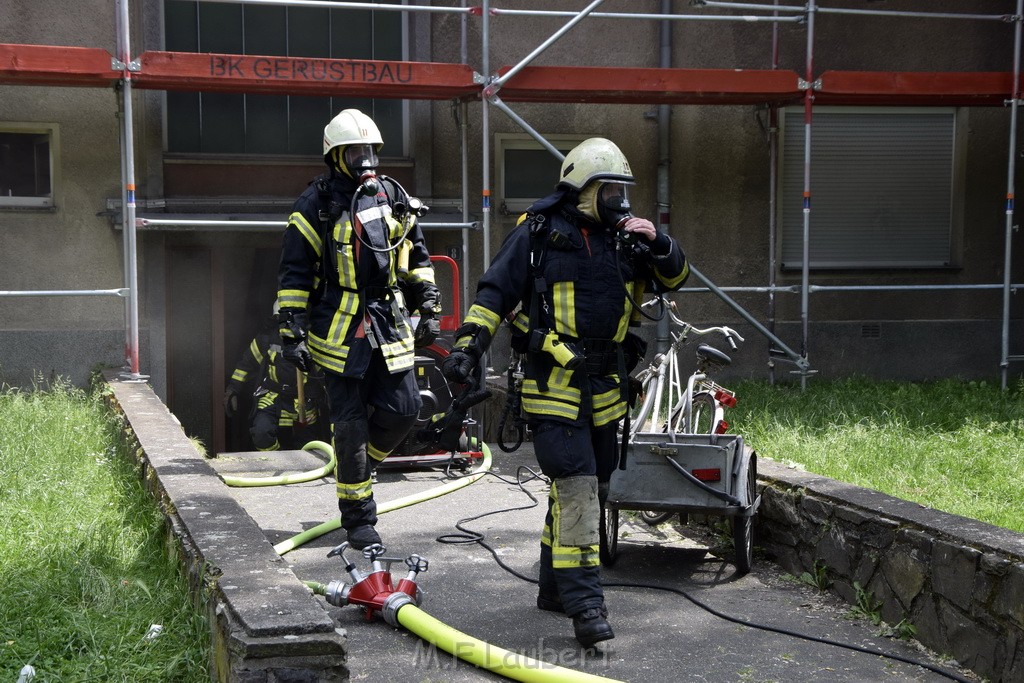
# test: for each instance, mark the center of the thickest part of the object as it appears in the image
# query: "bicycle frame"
(674, 412)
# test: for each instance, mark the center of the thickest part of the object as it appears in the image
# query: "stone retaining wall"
(958, 581)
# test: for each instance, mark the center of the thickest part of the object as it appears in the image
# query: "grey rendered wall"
(70, 247)
(719, 170)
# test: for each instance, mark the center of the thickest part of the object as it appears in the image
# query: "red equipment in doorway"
(435, 391)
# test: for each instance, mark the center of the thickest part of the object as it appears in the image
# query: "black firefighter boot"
(591, 626)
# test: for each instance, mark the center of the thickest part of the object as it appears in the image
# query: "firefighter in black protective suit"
(275, 421)
(577, 261)
(342, 283)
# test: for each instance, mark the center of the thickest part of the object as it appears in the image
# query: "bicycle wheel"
(653, 517)
(609, 536)
(705, 415)
(743, 527)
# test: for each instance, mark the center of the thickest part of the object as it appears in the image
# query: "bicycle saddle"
(712, 356)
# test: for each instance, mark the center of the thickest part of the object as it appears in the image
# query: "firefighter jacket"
(275, 379)
(345, 274)
(572, 277)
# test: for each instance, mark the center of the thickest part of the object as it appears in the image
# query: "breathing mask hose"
(369, 185)
(436, 492)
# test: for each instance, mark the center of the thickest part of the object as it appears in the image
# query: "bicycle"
(698, 409)
(666, 405)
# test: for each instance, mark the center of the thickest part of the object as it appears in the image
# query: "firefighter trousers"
(579, 460)
(370, 416)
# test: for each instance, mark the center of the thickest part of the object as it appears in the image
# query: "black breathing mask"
(361, 163)
(613, 205)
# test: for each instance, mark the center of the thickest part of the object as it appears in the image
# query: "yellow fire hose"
(458, 644)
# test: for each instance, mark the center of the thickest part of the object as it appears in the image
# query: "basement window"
(886, 188)
(27, 165)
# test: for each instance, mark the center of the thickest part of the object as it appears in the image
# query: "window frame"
(47, 203)
(523, 141)
(957, 192)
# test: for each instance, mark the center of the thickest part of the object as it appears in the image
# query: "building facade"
(908, 170)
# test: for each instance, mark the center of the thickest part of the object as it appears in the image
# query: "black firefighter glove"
(458, 366)
(293, 339)
(429, 326)
(471, 341)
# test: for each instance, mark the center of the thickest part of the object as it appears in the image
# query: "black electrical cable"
(470, 536)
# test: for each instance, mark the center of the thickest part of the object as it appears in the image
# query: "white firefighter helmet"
(351, 127)
(595, 159)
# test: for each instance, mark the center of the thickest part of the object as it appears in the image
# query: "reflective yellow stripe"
(545, 536)
(343, 318)
(376, 453)
(346, 255)
(571, 558)
(306, 230)
(292, 298)
(422, 275)
(615, 412)
(239, 376)
(541, 407)
(355, 491)
(564, 295)
(560, 399)
(676, 281)
(272, 447)
(607, 398)
(330, 357)
(522, 322)
(627, 310)
(484, 317)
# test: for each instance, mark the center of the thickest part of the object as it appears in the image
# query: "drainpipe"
(664, 159)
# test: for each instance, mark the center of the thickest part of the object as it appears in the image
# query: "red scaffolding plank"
(624, 85)
(55, 65)
(979, 88)
(303, 76)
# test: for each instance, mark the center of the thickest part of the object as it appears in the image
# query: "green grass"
(951, 445)
(83, 567)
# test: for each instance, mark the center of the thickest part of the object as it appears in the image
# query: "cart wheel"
(743, 527)
(654, 518)
(609, 548)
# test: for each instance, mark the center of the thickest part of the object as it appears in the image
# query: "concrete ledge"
(266, 625)
(960, 582)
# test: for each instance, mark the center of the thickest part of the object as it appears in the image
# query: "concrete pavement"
(660, 636)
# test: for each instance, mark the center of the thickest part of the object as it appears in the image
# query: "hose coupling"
(393, 603)
(337, 593)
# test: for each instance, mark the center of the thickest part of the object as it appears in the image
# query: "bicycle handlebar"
(730, 334)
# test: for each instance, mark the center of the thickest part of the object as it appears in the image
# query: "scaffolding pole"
(1010, 181)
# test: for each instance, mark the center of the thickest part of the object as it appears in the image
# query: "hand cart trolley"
(688, 473)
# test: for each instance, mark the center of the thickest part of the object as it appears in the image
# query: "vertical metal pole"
(485, 132)
(124, 54)
(125, 248)
(805, 271)
(664, 160)
(464, 125)
(773, 189)
(1010, 181)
